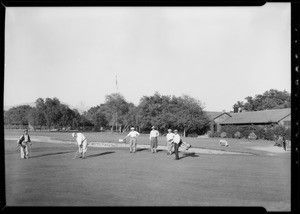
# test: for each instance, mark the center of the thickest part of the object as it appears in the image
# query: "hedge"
(259, 132)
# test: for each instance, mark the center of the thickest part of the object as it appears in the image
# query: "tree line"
(184, 113)
(271, 99)
(116, 114)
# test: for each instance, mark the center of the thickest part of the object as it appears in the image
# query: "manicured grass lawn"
(115, 177)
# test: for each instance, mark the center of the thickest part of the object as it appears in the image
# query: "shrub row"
(253, 132)
(16, 126)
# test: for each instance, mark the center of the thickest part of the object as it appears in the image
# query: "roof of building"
(252, 117)
(215, 114)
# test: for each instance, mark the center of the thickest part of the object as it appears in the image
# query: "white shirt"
(170, 136)
(154, 133)
(133, 134)
(80, 138)
(26, 138)
(176, 138)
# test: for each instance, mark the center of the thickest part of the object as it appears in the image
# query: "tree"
(76, 119)
(39, 113)
(131, 119)
(272, 99)
(184, 113)
(52, 112)
(115, 108)
(36, 118)
(97, 117)
(67, 116)
(191, 118)
(17, 115)
(6, 119)
(152, 110)
(238, 106)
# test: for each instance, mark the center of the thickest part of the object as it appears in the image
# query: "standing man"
(177, 142)
(82, 143)
(169, 143)
(153, 139)
(133, 139)
(281, 141)
(23, 144)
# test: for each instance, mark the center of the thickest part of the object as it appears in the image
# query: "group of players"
(173, 142)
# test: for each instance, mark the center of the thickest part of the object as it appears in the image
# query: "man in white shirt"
(177, 142)
(133, 140)
(81, 142)
(169, 143)
(153, 139)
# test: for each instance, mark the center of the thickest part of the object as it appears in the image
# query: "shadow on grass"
(192, 154)
(99, 154)
(147, 149)
(56, 153)
(139, 150)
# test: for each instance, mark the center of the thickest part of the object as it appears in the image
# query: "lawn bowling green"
(244, 174)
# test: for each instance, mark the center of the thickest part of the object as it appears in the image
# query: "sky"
(217, 55)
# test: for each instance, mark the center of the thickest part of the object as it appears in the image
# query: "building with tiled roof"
(265, 117)
(215, 118)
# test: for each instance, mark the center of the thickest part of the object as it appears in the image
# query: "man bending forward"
(82, 143)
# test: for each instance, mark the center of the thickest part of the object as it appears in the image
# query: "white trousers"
(83, 148)
(24, 151)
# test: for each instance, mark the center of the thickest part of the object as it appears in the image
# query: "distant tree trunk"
(124, 129)
(184, 132)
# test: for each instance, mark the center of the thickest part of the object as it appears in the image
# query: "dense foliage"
(183, 113)
(272, 99)
(253, 132)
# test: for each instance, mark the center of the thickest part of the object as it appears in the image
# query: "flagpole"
(116, 112)
(116, 82)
